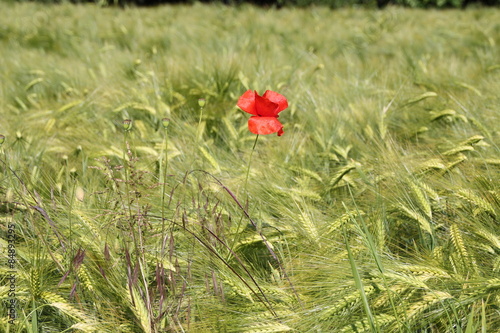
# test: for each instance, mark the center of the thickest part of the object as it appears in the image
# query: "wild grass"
(376, 211)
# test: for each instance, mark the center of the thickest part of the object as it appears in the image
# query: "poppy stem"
(236, 239)
(248, 168)
(199, 131)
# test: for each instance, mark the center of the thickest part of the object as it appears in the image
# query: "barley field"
(134, 198)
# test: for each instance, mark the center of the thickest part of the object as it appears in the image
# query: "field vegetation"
(376, 211)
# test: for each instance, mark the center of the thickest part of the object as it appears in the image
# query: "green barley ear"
(212, 160)
(345, 302)
(472, 140)
(430, 299)
(308, 224)
(458, 150)
(459, 159)
(262, 326)
(411, 213)
(491, 161)
(361, 325)
(492, 238)
(459, 245)
(85, 277)
(307, 172)
(139, 309)
(35, 283)
(429, 191)
(342, 220)
(231, 129)
(341, 173)
(421, 97)
(59, 303)
(481, 204)
(422, 200)
(436, 115)
(433, 164)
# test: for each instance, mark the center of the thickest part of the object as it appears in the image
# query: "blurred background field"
(290, 3)
(376, 211)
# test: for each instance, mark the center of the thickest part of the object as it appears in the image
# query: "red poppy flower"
(265, 111)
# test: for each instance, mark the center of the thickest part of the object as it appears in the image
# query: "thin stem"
(138, 246)
(164, 181)
(236, 239)
(359, 283)
(70, 210)
(249, 163)
(125, 166)
(198, 131)
(127, 190)
(254, 224)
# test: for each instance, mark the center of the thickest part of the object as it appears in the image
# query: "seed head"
(2, 139)
(165, 122)
(127, 124)
(201, 102)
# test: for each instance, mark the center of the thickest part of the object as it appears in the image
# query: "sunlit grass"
(380, 201)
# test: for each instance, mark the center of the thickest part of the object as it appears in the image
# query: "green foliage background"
(376, 211)
(293, 3)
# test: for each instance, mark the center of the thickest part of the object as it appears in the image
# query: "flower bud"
(2, 138)
(127, 124)
(165, 122)
(201, 102)
(73, 173)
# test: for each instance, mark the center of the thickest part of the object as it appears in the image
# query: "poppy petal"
(265, 107)
(265, 125)
(247, 102)
(276, 98)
